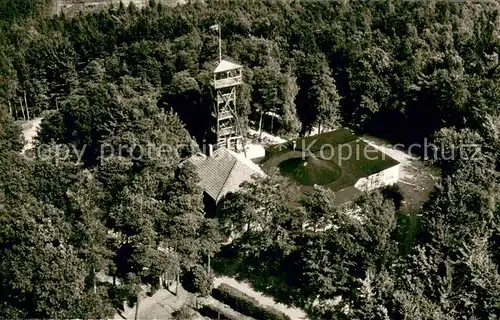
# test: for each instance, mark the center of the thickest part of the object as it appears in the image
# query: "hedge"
(245, 304)
(213, 312)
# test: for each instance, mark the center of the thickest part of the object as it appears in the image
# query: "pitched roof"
(226, 65)
(223, 172)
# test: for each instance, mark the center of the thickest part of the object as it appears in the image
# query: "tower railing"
(225, 131)
(227, 82)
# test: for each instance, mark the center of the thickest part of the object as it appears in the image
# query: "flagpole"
(220, 45)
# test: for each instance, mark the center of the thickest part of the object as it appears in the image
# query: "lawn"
(309, 171)
(326, 140)
(314, 143)
(336, 160)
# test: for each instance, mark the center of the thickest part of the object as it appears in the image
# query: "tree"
(185, 313)
(378, 216)
(88, 220)
(14, 168)
(455, 148)
(320, 208)
(347, 265)
(427, 69)
(198, 280)
(128, 124)
(266, 91)
(137, 255)
(42, 275)
(10, 134)
(461, 207)
(325, 100)
(458, 226)
(182, 226)
(261, 208)
(290, 124)
(211, 239)
(185, 97)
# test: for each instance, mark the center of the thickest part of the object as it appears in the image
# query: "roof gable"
(223, 172)
(225, 65)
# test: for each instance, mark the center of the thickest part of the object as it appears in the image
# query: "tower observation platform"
(226, 129)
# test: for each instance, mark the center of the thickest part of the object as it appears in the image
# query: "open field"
(349, 159)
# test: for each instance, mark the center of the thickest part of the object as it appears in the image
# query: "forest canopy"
(418, 66)
(140, 77)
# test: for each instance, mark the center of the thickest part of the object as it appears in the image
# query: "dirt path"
(416, 180)
(294, 313)
(161, 305)
(30, 130)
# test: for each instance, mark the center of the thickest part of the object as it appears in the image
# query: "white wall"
(380, 179)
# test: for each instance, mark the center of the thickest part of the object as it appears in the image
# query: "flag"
(215, 27)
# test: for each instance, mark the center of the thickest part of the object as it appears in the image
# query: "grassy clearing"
(327, 139)
(355, 158)
(310, 171)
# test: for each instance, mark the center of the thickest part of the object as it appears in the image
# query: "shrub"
(213, 312)
(270, 313)
(236, 299)
(394, 193)
(245, 304)
(197, 280)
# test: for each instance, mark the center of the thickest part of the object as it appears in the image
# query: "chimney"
(228, 144)
(210, 149)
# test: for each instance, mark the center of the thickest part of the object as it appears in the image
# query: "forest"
(402, 70)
